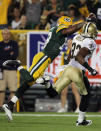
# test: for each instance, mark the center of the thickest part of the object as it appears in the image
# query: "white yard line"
(54, 115)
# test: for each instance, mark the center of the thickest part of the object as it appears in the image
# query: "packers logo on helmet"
(89, 30)
(64, 20)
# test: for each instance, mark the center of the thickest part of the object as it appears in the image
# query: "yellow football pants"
(39, 64)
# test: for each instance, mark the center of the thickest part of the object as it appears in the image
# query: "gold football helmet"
(64, 20)
(89, 30)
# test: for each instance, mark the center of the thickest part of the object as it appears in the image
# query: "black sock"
(21, 90)
(51, 91)
(85, 98)
(84, 103)
(11, 105)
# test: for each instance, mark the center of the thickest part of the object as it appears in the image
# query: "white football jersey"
(78, 42)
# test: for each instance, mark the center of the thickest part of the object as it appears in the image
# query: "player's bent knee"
(26, 75)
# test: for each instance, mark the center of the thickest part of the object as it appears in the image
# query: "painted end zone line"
(54, 115)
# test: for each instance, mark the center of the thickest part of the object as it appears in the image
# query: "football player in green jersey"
(54, 42)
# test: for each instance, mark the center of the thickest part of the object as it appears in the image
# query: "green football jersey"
(54, 43)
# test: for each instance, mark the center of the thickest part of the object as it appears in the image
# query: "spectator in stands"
(23, 23)
(82, 7)
(95, 7)
(43, 25)
(4, 5)
(74, 13)
(14, 4)
(16, 21)
(44, 3)
(53, 11)
(66, 3)
(33, 12)
(8, 51)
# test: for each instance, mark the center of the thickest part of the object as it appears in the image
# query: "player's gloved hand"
(91, 18)
(90, 69)
(93, 72)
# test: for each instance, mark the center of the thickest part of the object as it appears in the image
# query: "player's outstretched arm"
(81, 59)
(72, 29)
(76, 27)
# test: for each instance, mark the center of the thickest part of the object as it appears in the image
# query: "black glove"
(91, 18)
(90, 69)
(93, 72)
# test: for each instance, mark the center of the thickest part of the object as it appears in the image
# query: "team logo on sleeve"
(91, 46)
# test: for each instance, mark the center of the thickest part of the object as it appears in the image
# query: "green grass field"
(48, 122)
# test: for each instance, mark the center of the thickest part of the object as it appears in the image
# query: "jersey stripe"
(86, 30)
(38, 65)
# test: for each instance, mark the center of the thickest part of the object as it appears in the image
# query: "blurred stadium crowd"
(43, 14)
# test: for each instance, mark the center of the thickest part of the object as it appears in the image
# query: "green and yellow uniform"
(52, 49)
(54, 43)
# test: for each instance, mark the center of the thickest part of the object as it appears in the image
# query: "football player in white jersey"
(83, 46)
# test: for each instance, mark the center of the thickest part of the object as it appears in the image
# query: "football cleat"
(12, 63)
(8, 112)
(45, 80)
(84, 123)
(40, 80)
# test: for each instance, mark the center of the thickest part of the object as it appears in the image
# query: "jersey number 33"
(75, 49)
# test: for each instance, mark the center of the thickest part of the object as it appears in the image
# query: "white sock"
(19, 68)
(81, 116)
(14, 99)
